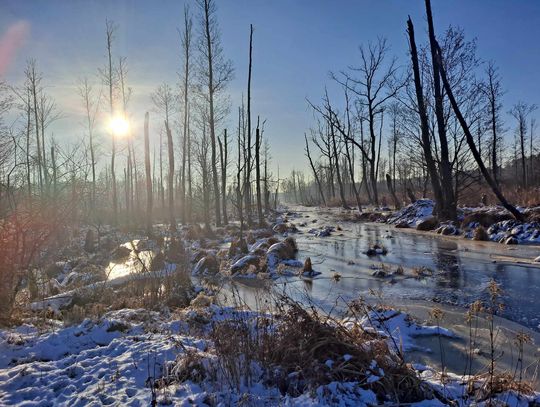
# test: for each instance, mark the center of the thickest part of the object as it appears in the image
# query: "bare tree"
(34, 79)
(470, 140)
(224, 161)
(186, 41)
(247, 173)
(258, 137)
(315, 173)
(376, 83)
(493, 91)
(215, 72)
(109, 79)
(91, 107)
(424, 124)
(170, 178)
(149, 194)
(447, 207)
(521, 112)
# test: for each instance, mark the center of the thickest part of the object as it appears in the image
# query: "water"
(461, 268)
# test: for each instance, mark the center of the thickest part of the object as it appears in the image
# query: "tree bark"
(149, 195)
(447, 207)
(247, 171)
(470, 141)
(211, 117)
(424, 124)
(317, 179)
(224, 160)
(170, 178)
(258, 175)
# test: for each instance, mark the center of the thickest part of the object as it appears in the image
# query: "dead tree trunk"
(317, 179)
(351, 174)
(190, 180)
(424, 123)
(211, 117)
(258, 174)
(186, 45)
(149, 195)
(239, 167)
(170, 178)
(390, 186)
(470, 141)
(338, 172)
(161, 186)
(447, 207)
(224, 161)
(247, 187)
(110, 83)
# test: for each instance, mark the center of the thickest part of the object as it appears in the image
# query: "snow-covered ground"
(131, 357)
(507, 231)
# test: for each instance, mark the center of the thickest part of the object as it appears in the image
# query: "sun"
(119, 126)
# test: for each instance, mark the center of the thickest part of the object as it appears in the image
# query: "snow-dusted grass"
(225, 356)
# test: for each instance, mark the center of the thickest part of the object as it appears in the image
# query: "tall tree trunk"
(161, 186)
(470, 141)
(186, 43)
(28, 128)
(338, 172)
(110, 31)
(239, 166)
(170, 178)
(211, 113)
(36, 128)
(424, 123)
(247, 172)
(371, 161)
(494, 140)
(390, 186)
(190, 183)
(317, 179)
(54, 172)
(149, 195)
(258, 175)
(223, 160)
(447, 208)
(522, 130)
(351, 175)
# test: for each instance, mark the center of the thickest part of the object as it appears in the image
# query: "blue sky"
(296, 44)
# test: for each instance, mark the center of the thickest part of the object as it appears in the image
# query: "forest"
(164, 257)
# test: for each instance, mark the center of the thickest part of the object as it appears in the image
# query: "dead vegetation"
(298, 349)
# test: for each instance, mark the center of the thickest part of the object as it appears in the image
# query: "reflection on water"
(461, 269)
(133, 264)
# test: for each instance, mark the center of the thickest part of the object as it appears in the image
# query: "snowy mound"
(414, 213)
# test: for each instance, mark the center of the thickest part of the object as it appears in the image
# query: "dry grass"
(294, 344)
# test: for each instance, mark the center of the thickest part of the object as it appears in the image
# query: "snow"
(414, 213)
(117, 359)
(523, 232)
(400, 329)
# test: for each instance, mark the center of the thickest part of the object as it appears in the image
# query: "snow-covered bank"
(132, 357)
(485, 223)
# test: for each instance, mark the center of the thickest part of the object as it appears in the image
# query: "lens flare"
(119, 126)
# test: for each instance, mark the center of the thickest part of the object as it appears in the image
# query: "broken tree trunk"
(390, 186)
(170, 178)
(424, 123)
(470, 141)
(149, 197)
(317, 179)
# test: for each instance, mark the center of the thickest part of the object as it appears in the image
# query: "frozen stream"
(462, 268)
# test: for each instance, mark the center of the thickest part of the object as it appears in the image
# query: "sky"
(296, 44)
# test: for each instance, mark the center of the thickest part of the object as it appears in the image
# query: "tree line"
(185, 173)
(440, 115)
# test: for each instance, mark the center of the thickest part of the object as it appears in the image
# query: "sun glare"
(119, 126)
